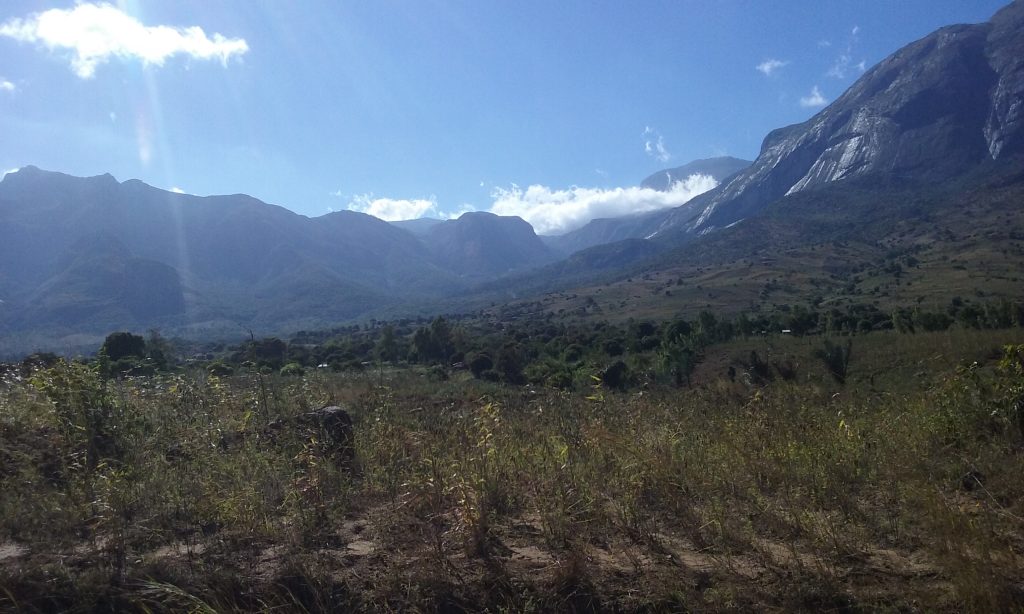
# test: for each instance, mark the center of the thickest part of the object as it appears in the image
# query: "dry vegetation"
(189, 492)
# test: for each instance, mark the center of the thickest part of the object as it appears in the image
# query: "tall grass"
(185, 492)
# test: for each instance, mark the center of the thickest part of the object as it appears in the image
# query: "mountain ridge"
(928, 110)
(88, 254)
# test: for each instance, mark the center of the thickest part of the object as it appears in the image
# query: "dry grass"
(184, 493)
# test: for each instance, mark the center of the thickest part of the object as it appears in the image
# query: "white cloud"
(177, 190)
(451, 215)
(771, 65)
(337, 193)
(392, 209)
(7, 86)
(844, 61)
(9, 171)
(558, 211)
(94, 33)
(815, 99)
(839, 67)
(654, 145)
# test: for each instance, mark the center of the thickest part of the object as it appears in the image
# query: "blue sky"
(550, 110)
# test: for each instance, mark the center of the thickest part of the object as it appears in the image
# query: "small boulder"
(336, 425)
(972, 479)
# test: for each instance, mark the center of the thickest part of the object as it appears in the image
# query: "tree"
(744, 325)
(433, 343)
(616, 376)
(422, 346)
(479, 363)
(122, 345)
(387, 346)
(802, 320)
(441, 336)
(679, 360)
(707, 328)
(268, 352)
(902, 322)
(510, 364)
(678, 355)
(677, 332)
(158, 349)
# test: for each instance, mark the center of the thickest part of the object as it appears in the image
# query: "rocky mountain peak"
(933, 109)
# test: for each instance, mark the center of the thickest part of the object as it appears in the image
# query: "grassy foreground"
(900, 490)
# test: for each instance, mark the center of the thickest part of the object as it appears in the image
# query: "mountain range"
(942, 116)
(88, 254)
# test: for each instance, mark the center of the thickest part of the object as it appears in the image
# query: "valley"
(792, 383)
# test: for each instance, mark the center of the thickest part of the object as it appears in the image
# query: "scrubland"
(778, 488)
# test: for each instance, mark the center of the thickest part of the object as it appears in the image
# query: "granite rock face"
(933, 109)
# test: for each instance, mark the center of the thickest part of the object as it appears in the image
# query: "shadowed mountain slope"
(481, 244)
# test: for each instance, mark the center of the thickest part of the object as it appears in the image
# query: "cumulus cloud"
(815, 99)
(93, 33)
(770, 65)
(654, 145)
(392, 209)
(559, 211)
(6, 85)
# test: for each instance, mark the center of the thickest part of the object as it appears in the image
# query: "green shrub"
(293, 369)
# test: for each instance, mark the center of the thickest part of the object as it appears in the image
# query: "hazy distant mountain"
(91, 253)
(639, 225)
(418, 227)
(481, 244)
(606, 230)
(934, 109)
(98, 280)
(720, 168)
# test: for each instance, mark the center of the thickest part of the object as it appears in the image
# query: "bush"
(616, 376)
(293, 368)
(836, 358)
(219, 369)
(121, 345)
(478, 363)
